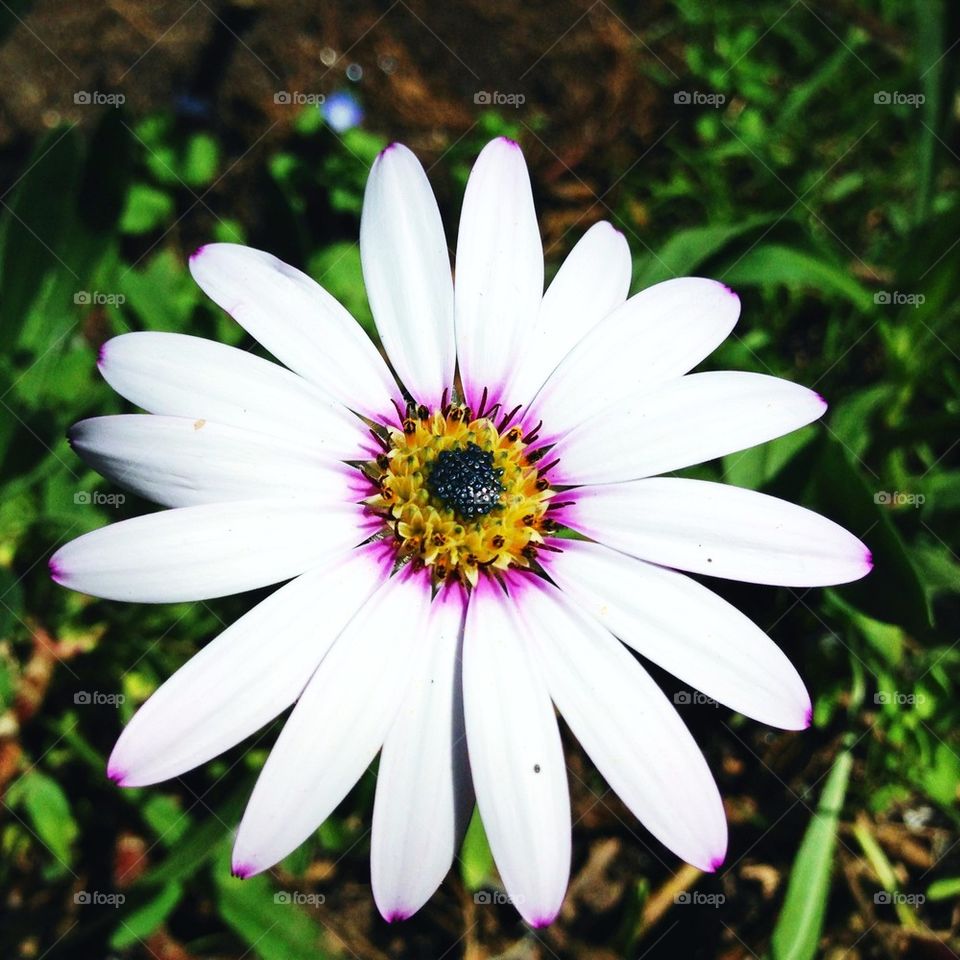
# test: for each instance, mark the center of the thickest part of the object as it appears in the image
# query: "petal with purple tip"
(245, 677)
(406, 269)
(516, 758)
(683, 422)
(337, 726)
(719, 530)
(183, 376)
(180, 462)
(499, 279)
(424, 795)
(685, 628)
(591, 283)
(211, 550)
(659, 334)
(301, 324)
(628, 727)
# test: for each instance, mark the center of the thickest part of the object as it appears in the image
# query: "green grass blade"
(797, 932)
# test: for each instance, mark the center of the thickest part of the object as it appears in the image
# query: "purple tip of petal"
(196, 253)
(606, 225)
(509, 142)
(716, 863)
(731, 291)
(808, 718)
(822, 399)
(540, 922)
(396, 916)
(56, 571)
(117, 776)
(868, 560)
(102, 355)
(387, 149)
(242, 871)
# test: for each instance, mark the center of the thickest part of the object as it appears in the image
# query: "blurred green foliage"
(833, 215)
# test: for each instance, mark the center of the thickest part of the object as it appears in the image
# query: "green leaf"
(756, 467)
(226, 230)
(198, 844)
(797, 933)
(48, 810)
(264, 918)
(771, 264)
(166, 818)
(363, 145)
(476, 860)
(162, 294)
(939, 777)
(938, 567)
(687, 249)
(892, 591)
(141, 922)
(803, 93)
(147, 209)
(308, 121)
(946, 889)
(883, 870)
(852, 419)
(201, 159)
(886, 639)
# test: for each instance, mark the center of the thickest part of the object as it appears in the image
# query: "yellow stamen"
(426, 530)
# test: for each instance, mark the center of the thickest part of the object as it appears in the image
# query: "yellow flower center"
(459, 495)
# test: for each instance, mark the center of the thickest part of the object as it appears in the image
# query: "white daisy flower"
(431, 611)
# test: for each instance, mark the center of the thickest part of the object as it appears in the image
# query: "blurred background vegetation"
(805, 153)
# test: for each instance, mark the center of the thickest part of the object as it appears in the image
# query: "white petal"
(592, 282)
(687, 629)
(516, 758)
(245, 677)
(298, 322)
(181, 376)
(721, 531)
(424, 795)
(499, 280)
(683, 422)
(212, 550)
(337, 726)
(406, 269)
(628, 727)
(180, 462)
(660, 333)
